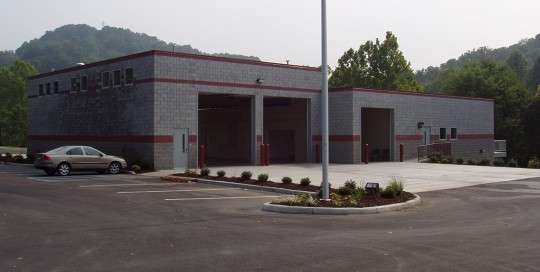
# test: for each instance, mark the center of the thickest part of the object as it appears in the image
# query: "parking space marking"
(221, 198)
(180, 190)
(130, 184)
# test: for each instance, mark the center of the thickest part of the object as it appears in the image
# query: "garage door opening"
(286, 129)
(377, 131)
(225, 128)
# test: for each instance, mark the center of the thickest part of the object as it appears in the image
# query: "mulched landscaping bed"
(372, 200)
(290, 186)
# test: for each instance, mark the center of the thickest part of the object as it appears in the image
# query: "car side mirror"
(100, 155)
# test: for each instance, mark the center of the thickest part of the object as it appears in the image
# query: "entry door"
(181, 148)
(426, 133)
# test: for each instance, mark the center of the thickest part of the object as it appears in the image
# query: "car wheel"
(50, 172)
(114, 168)
(64, 169)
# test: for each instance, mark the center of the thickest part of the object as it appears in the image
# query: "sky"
(429, 31)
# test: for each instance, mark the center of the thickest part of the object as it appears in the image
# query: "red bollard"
(401, 152)
(317, 153)
(365, 155)
(267, 153)
(263, 156)
(202, 155)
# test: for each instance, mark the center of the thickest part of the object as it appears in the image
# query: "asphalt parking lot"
(136, 223)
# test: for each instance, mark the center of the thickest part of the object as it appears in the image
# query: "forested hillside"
(71, 44)
(521, 57)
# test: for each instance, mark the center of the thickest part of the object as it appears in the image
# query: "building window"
(442, 133)
(117, 76)
(84, 83)
(129, 76)
(75, 84)
(105, 80)
(40, 89)
(48, 88)
(55, 87)
(453, 134)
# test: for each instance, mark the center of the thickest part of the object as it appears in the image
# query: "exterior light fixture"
(259, 81)
(420, 125)
(372, 188)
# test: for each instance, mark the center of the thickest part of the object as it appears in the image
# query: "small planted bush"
(499, 163)
(136, 168)
(435, 158)
(262, 178)
(305, 181)
(459, 161)
(286, 180)
(471, 162)
(445, 160)
(190, 173)
(221, 173)
(484, 162)
(305, 200)
(349, 188)
(394, 188)
(246, 175)
(205, 172)
(534, 163)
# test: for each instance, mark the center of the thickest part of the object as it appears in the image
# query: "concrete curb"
(254, 187)
(177, 179)
(341, 211)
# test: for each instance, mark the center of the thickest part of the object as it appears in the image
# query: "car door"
(94, 159)
(75, 157)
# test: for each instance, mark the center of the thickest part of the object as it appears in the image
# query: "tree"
(13, 100)
(489, 79)
(534, 75)
(530, 120)
(375, 65)
(517, 62)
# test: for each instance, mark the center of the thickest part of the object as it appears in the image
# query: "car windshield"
(59, 150)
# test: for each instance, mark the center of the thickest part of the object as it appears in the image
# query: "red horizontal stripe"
(408, 137)
(476, 136)
(226, 84)
(105, 138)
(408, 93)
(338, 138)
(178, 55)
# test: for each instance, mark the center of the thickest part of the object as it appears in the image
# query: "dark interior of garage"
(286, 129)
(225, 128)
(377, 132)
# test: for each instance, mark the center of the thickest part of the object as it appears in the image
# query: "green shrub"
(286, 180)
(512, 163)
(221, 173)
(459, 161)
(499, 163)
(349, 188)
(190, 172)
(445, 160)
(305, 200)
(484, 162)
(534, 163)
(436, 158)
(394, 188)
(338, 200)
(205, 172)
(19, 159)
(305, 181)
(471, 162)
(136, 168)
(144, 166)
(262, 178)
(246, 175)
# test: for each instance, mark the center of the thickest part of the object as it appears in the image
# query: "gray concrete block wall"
(470, 117)
(115, 111)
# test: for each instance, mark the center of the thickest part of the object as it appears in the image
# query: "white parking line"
(182, 190)
(130, 184)
(220, 198)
